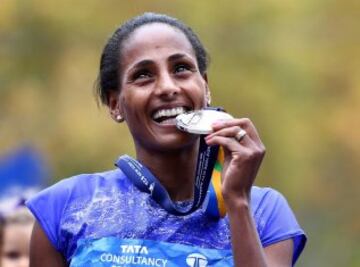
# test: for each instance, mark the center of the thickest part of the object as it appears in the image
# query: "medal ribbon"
(145, 181)
(209, 165)
(216, 205)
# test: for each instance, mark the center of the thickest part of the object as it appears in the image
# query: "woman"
(152, 69)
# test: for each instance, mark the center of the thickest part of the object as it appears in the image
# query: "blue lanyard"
(145, 181)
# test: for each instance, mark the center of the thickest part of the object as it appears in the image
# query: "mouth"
(168, 115)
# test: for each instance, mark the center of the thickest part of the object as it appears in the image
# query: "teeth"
(168, 112)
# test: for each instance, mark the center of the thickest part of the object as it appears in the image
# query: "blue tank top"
(102, 219)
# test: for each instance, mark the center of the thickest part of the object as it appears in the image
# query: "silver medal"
(200, 121)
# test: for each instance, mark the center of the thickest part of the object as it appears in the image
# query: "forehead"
(17, 228)
(155, 39)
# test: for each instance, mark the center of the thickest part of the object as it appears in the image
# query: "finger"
(243, 123)
(237, 151)
(231, 132)
(229, 144)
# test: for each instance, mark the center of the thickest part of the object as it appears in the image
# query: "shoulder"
(263, 196)
(267, 204)
(50, 205)
(89, 179)
(275, 220)
(81, 184)
(77, 188)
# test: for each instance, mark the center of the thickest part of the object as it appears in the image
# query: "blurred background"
(293, 67)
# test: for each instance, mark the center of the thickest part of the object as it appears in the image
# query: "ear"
(115, 107)
(207, 92)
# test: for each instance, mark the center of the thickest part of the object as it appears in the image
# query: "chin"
(175, 142)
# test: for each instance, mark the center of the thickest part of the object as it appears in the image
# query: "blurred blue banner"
(21, 170)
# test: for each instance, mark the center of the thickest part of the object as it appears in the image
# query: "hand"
(242, 159)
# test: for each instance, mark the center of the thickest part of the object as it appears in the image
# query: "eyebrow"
(147, 62)
(142, 63)
(177, 56)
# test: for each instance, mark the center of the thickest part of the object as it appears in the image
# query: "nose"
(166, 86)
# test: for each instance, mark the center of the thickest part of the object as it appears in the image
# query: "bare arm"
(242, 161)
(247, 247)
(280, 254)
(42, 252)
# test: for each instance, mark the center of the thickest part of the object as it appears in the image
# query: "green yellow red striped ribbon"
(216, 204)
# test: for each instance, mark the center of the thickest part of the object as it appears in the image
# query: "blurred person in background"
(15, 233)
(145, 213)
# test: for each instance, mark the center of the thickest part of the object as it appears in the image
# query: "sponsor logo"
(196, 260)
(133, 255)
(134, 249)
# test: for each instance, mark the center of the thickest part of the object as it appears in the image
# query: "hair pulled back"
(109, 73)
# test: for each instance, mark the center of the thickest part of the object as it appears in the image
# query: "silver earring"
(208, 102)
(119, 118)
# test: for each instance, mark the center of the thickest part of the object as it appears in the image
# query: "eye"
(12, 255)
(141, 75)
(179, 68)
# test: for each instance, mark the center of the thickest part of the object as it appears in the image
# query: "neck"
(175, 170)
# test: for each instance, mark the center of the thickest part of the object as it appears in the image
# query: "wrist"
(237, 203)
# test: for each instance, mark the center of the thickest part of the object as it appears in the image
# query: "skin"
(15, 250)
(159, 70)
(42, 252)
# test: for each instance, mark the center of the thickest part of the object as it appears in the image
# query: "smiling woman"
(159, 76)
(151, 209)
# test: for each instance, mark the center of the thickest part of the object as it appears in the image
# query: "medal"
(200, 121)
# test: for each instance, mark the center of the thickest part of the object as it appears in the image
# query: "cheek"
(198, 93)
(132, 105)
(126, 102)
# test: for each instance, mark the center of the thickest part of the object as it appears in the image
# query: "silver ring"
(240, 135)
